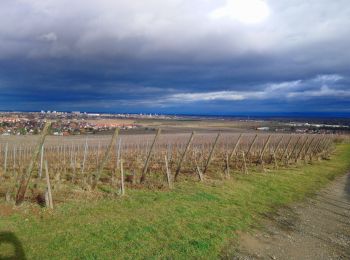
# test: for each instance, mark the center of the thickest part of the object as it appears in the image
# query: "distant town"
(67, 123)
(79, 123)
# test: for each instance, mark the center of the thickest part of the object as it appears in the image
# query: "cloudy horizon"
(175, 56)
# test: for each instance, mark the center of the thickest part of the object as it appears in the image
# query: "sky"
(222, 57)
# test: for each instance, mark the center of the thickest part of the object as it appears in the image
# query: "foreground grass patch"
(195, 220)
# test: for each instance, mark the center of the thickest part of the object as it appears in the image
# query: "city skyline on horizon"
(286, 115)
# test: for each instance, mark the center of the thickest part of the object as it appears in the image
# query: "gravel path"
(316, 229)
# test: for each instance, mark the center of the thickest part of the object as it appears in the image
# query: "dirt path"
(316, 229)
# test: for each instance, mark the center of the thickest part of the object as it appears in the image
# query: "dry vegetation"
(99, 165)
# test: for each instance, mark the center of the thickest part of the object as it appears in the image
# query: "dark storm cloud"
(173, 56)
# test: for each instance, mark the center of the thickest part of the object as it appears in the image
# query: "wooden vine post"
(199, 172)
(236, 146)
(227, 171)
(211, 153)
(122, 187)
(5, 158)
(286, 149)
(274, 152)
(48, 191)
(278, 145)
(321, 147)
(317, 147)
(308, 148)
(25, 177)
(274, 159)
(325, 148)
(294, 148)
(84, 157)
(251, 145)
(145, 168)
(261, 156)
(264, 149)
(244, 163)
(167, 171)
(301, 149)
(41, 162)
(97, 174)
(184, 155)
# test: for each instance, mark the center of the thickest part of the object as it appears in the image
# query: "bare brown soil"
(316, 229)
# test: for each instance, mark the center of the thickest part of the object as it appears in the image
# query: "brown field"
(76, 161)
(111, 121)
(205, 125)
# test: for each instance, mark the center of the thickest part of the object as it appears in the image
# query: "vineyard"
(69, 167)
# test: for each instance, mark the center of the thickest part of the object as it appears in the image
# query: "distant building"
(91, 114)
(264, 128)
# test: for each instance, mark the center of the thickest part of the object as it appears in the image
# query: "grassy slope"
(195, 220)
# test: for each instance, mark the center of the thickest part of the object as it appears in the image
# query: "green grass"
(195, 220)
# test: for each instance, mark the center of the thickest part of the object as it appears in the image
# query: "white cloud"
(298, 89)
(323, 91)
(285, 86)
(219, 95)
(328, 78)
(49, 37)
(244, 11)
